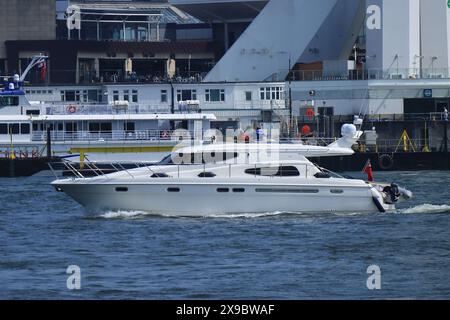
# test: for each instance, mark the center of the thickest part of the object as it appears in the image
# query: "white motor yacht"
(236, 178)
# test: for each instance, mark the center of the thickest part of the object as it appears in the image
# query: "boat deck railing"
(90, 169)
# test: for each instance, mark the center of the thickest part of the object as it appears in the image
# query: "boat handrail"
(89, 169)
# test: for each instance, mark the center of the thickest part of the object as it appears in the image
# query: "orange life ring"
(71, 109)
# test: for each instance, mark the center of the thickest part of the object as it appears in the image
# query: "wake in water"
(122, 214)
(427, 208)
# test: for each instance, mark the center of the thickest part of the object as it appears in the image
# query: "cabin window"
(70, 95)
(248, 96)
(60, 126)
(173, 190)
(273, 190)
(121, 189)
(206, 175)
(3, 128)
(71, 127)
(337, 191)
(134, 96)
(38, 127)
(282, 171)
(223, 190)
(9, 101)
(238, 190)
(14, 128)
(129, 127)
(94, 127)
(106, 127)
(322, 175)
(25, 128)
(160, 175)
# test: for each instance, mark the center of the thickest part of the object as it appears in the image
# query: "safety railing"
(360, 74)
(104, 170)
(115, 136)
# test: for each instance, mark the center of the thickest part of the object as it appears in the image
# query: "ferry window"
(223, 190)
(134, 96)
(25, 128)
(173, 189)
(164, 96)
(129, 127)
(215, 95)
(70, 95)
(71, 127)
(60, 126)
(92, 96)
(33, 112)
(262, 94)
(239, 190)
(248, 96)
(94, 127)
(9, 101)
(3, 128)
(14, 128)
(126, 95)
(106, 127)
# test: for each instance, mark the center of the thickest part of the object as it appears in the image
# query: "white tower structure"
(435, 33)
(393, 38)
(287, 30)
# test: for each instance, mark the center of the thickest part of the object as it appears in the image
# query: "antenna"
(34, 62)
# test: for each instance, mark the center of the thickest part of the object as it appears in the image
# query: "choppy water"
(270, 256)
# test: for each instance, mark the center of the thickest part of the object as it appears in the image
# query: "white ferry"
(115, 132)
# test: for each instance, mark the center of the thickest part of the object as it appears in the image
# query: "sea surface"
(131, 255)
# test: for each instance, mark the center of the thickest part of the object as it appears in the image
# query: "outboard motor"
(392, 192)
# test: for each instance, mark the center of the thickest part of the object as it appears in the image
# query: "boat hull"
(215, 199)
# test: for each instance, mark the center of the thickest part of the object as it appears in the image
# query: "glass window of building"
(272, 93)
(164, 96)
(134, 96)
(248, 96)
(215, 95)
(116, 95)
(184, 95)
(126, 95)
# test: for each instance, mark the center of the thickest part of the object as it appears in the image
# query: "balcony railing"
(369, 74)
